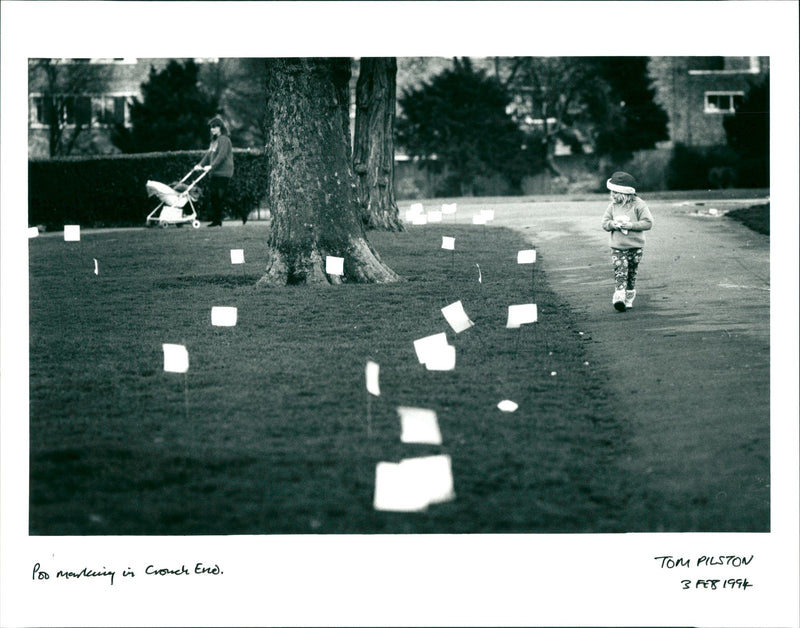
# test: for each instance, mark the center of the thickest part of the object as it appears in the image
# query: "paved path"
(688, 365)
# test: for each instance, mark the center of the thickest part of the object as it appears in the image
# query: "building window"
(79, 110)
(723, 102)
(108, 110)
(38, 117)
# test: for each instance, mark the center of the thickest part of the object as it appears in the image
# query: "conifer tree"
(173, 113)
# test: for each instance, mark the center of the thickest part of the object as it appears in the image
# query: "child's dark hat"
(622, 182)
(216, 121)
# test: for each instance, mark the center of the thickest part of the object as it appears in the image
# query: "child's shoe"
(630, 295)
(618, 300)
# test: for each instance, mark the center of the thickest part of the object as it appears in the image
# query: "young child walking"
(626, 219)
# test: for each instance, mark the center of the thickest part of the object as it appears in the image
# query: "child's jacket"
(638, 214)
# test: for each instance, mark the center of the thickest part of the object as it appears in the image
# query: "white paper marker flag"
(334, 265)
(395, 491)
(33, 232)
(428, 347)
(223, 316)
(419, 425)
(526, 257)
(442, 360)
(72, 233)
(237, 256)
(434, 474)
(449, 208)
(413, 484)
(457, 317)
(506, 405)
(488, 214)
(448, 243)
(434, 216)
(419, 219)
(372, 372)
(478, 219)
(413, 211)
(176, 358)
(521, 314)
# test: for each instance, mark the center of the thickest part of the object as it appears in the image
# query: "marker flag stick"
(369, 414)
(449, 242)
(237, 257)
(371, 373)
(528, 257)
(186, 393)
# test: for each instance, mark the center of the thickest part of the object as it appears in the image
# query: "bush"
(110, 190)
(650, 168)
(690, 168)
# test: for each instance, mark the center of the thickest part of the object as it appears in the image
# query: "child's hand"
(626, 224)
(614, 225)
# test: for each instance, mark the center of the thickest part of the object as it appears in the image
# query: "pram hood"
(166, 194)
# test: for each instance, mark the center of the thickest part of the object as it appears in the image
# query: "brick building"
(697, 92)
(87, 95)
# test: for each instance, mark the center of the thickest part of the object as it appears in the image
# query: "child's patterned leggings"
(626, 263)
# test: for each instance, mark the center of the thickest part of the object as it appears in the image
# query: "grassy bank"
(755, 218)
(267, 432)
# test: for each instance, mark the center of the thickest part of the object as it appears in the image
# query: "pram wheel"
(162, 224)
(196, 224)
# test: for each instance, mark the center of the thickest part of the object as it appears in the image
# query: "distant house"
(697, 93)
(87, 96)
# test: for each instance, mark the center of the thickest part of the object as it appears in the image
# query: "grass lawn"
(274, 436)
(755, 218)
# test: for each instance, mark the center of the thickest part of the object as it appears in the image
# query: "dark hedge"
(110, 190)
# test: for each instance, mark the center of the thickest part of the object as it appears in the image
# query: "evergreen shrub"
(689, 167)
(109, 191)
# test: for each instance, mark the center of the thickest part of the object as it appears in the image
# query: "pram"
(177, 202)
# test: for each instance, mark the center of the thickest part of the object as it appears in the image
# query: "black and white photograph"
(420, 313)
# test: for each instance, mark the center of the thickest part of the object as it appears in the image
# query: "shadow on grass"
(268, 431)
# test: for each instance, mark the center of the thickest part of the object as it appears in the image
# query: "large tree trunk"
(314, 212)
(373, 151)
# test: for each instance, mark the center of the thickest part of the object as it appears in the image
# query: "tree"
(311, 182)
(604, 101)
(238, 85)
(458, 119)
(173, 113)
(64, 88)
(548, 96)
(747, 133)
(373, 145)
(632, 121)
